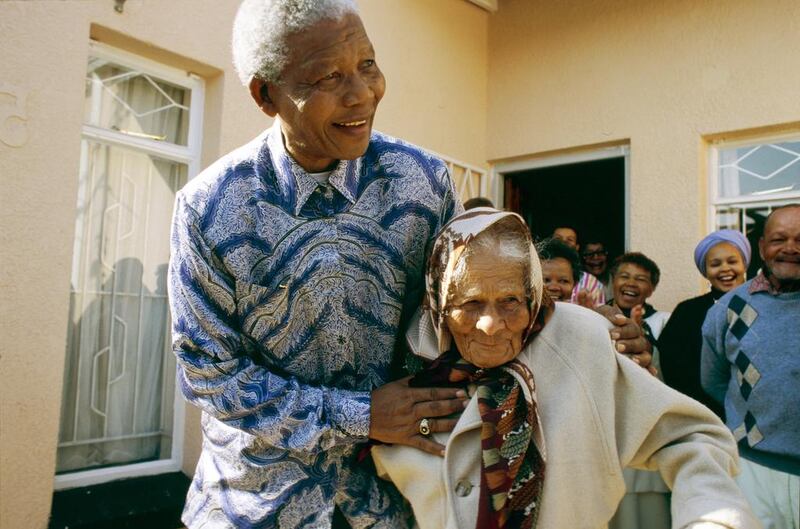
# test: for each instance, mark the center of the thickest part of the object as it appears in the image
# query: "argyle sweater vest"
(751, 362)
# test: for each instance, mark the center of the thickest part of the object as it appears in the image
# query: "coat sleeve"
(715, 370)
(658, 428)
(216, 373)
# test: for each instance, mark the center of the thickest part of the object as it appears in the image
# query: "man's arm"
(216, 373)
(715, 370)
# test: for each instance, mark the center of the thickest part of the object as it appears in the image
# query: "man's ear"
(761, 247)
(260, 92)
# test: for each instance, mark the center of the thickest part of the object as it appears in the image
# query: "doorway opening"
(589, 196)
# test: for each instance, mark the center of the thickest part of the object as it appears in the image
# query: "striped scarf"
(512, 468)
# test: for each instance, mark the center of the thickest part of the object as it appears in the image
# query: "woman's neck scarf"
(512, 466)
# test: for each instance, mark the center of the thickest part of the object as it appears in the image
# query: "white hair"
(261, 27)
(508, 247)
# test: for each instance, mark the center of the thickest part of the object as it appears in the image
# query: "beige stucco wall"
(434, 55)
(659, 75)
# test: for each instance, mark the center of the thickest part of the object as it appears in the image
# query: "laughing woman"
(548, 453)
(722, 258)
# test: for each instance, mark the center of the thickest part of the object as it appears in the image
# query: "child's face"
(558, 280)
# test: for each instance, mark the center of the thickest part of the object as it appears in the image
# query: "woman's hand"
(397, 410)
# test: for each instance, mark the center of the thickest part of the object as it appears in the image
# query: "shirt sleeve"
(660, 429)
(715, 370)
(216, 370)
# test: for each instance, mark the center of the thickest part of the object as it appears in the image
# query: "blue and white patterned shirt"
(287, 299)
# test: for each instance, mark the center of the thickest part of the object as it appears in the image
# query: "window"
(748, 180)
(140, 144)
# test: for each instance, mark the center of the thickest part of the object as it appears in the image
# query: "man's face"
(595, 258)
(567, 236)
(327, 93)
(632, 286)
(780, 246)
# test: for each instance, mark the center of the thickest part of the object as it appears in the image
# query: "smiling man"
(296, 260)
(751, 365)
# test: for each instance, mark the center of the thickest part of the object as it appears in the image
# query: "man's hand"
(397, 410)
(628, 336)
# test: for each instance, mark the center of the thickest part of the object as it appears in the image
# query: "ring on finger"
(425, 427)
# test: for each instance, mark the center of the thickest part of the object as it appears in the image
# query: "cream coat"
(599, 412)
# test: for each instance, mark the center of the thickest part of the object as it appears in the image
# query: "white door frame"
(501, 169)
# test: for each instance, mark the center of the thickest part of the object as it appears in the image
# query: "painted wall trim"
(488, 5)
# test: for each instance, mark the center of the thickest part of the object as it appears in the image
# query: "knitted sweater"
(751, 363)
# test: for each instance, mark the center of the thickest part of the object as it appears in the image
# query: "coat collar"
(294, 182)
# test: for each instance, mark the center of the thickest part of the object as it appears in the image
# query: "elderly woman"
(722, 258)
(555, 413)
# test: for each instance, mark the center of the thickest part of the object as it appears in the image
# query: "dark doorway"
(590, 196)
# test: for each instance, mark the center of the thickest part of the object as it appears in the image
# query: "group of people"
(757, 377)
(368, 354)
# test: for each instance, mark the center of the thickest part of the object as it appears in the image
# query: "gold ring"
(425, 427)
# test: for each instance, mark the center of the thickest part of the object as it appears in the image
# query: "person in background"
(647, 500)
(478, 202)
(560, 268)
(634, 278)
(292, 278)
(750, 363)
(722, 258)
(595, 261)
(587, 286)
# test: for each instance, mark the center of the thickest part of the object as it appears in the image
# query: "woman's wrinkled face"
(488, 310)
(724, 267)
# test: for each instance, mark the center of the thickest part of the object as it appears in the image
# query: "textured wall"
(660, 75)
(434, 55)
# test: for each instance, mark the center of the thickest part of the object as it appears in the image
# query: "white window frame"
(501, 169)
(190, 155)
(765, 201)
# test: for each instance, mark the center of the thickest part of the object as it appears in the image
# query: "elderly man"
(296, 261)
(751, 364)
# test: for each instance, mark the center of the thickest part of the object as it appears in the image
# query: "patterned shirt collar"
(297, 184)
(760, 283)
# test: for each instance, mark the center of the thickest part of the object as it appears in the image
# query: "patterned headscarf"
(446, 255)
(512, 442)
(733, 237)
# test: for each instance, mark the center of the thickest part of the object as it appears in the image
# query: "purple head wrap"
(712, 239)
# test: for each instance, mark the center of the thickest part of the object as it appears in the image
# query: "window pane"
(135, 103)
(119, 377)
(759, 170)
